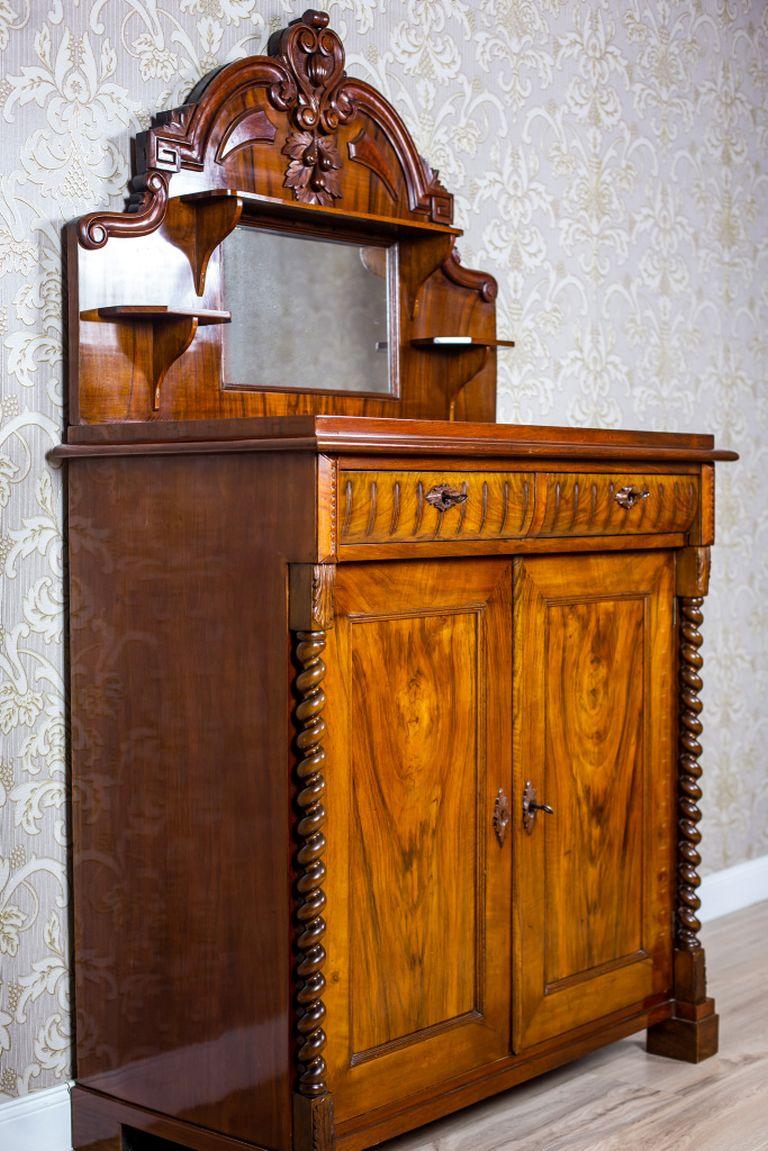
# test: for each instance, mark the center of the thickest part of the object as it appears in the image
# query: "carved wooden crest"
(315, 96)
(303, 81)
(287, 142)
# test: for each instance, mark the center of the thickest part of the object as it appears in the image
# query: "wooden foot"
(313, 1124)
(692, 1032)
(683, 1038)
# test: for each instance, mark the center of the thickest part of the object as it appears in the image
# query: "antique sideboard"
(384, 717)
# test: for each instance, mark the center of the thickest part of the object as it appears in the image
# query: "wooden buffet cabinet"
(384, 717)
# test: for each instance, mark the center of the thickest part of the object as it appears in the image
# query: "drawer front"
(378, 507)
(583, 504)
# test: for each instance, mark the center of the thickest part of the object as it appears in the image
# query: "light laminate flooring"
(622, 1099)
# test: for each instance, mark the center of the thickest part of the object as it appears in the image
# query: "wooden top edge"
(337, 215)
(364, 428)
(363, 436)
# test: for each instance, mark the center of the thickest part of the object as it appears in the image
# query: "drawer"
(422, 506)
(584, 504)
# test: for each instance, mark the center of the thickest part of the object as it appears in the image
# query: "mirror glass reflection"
(307, 314)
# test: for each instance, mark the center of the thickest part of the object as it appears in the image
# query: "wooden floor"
(621, 1099)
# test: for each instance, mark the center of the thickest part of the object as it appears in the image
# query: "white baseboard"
(40, 1121)
(37, 1122)
(734, 888)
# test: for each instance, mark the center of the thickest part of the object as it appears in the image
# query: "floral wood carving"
(303, 78)
(315, 97)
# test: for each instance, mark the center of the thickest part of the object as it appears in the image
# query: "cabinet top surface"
(350, 435)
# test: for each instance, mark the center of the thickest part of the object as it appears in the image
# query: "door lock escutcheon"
(530, 807)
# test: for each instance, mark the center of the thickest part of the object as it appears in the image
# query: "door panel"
(415, 822)
(419, 715)
(593, 732)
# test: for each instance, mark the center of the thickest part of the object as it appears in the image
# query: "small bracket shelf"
(457, 343)
(170, 331)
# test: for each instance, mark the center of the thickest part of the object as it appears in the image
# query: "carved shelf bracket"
(198, 223)
(310, 868)
(689, 774)
(480, 282)
(165, 332)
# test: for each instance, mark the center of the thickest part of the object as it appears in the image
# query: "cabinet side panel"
(181, 753)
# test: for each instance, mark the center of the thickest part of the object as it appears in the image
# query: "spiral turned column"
(310, 868)
(689, 774)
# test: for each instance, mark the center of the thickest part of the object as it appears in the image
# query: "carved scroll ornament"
(314, 96)
(303, 78)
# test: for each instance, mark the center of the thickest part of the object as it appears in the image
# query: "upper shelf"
(157, 312)
(458, 343)
(199, 222)
(338, 219)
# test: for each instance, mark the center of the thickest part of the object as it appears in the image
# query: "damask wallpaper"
(610, 161)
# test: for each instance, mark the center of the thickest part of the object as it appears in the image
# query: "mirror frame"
(350, 238)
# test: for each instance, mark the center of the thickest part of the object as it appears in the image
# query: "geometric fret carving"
(689, 774)
(310, 868)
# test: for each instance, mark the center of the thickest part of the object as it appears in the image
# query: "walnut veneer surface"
(619, 1099)
(384, 717)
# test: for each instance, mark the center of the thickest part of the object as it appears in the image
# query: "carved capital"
(693, 566)
(311, 595)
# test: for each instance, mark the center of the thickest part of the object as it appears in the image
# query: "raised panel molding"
(594, 656)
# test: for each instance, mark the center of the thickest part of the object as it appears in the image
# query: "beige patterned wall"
(609, 160)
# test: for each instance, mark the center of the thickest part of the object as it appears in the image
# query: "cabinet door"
(419, 738)
(593, 681)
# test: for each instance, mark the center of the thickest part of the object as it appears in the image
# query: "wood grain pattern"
(570, 504)
(285, 141)
(620, 1098)
(418, 922)
(409, 825)
(308, 946)
(344, 435)
(593, 657)
(595, 719)
(383, 507)
(181, 732)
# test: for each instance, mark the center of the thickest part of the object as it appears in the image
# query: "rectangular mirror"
(308, 314)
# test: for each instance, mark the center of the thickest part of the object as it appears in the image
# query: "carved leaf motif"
(315, 98)
(313, 172)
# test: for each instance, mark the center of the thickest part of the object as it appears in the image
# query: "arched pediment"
(290, 125)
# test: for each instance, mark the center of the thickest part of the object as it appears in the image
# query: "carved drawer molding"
(592, 504)
(376, 507)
